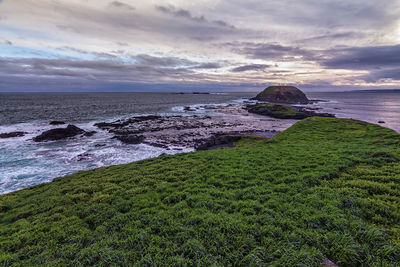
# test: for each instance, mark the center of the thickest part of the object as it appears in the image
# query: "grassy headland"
(276, 111)
(324, 188)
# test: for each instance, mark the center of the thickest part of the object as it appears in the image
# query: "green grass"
(324, 188)
(269, 89)
(276, 111)
(279, 109)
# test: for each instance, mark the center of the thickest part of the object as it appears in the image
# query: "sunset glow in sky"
(57, 45)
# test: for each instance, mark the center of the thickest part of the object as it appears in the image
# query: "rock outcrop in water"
(59, 134)
(283, 94)
(12, 134)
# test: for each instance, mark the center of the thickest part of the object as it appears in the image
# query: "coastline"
(181, 130)
(42, 162)
(223, 206)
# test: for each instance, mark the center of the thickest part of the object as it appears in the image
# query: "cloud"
(382, 62)
(334, 37)
(7, 42)
(183, 13)
(251, 67)
(121, 5)
(85, 52)
(236, 41)
(208, 66)
(144, 69)
(378, 75)
(162, 61)
(364, 58)
(328, 14)
(272, 51)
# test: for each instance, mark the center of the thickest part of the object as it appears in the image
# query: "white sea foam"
(24, 163)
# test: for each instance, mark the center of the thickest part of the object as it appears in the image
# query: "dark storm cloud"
(364, 58)
(269, 51)
(145, 69)
(373, 76)
(173, 62)
(183, 13)
(382, 62)
(162, 61)
(250, 67)
(122, 5)
(65, 74)
(208, 66)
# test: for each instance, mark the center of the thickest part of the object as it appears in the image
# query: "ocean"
(24, 163)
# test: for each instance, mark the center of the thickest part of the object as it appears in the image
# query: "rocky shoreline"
(198, 128)
(196, 131)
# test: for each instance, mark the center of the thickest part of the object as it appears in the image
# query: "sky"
(198, 45)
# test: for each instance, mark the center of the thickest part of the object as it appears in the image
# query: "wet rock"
(381, 122)
(130, 139)
(88, 134)
(188, 109)
(218, 140)
(59, 134)
(121, 124)
(57, 122)
(107, 125)
(82, 157)
(12, 134)
(156, 144)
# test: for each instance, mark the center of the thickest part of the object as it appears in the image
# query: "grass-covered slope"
(277, 111)
(324, 189)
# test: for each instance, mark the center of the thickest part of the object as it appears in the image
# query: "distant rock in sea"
(59, 134)
(12, 134)
(283, 94)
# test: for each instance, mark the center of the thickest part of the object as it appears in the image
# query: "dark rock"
(91, 133)
(381, 122)
(59, 134)
(156, 144)
(188, 109)
(120, 124)
(282, 94)
(57, 122)
(82, 157)
(100, 145)
(130, 139)
(218, 140)
(12, 134)
(145, 118)
(107, 125)
(200, 93)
